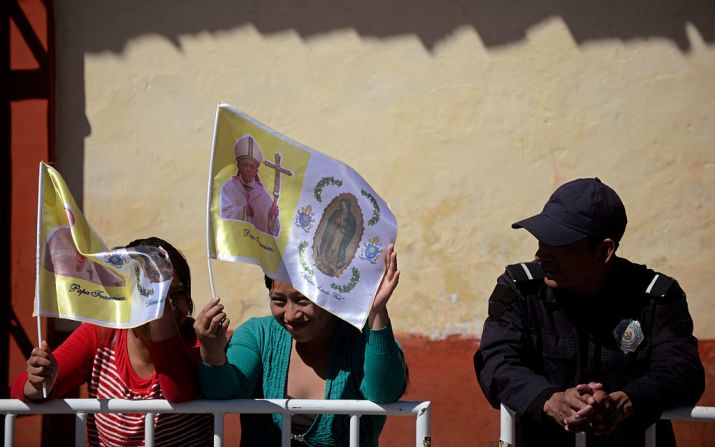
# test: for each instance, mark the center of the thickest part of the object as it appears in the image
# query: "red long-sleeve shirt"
(99, 357)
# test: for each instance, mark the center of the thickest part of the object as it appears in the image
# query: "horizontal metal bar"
(703, 414)
(256, 406)
(694, 414)
(363, 407)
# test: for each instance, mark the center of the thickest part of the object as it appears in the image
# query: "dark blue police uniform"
(636, 336)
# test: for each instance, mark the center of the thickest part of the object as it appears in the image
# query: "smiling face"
(575, 266)
(298, 315)
(247, 169)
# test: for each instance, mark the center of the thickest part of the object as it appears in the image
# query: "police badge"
(628, 335)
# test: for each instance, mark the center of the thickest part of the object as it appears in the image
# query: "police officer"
(583, 340)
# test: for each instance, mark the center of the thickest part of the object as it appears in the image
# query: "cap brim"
(549, 231)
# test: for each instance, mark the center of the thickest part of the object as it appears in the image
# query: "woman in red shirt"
(157, 360)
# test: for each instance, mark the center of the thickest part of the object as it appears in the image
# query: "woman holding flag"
(156, 360)
(303, 352)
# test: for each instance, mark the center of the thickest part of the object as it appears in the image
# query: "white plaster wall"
(460, 137)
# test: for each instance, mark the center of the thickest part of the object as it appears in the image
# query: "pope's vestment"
(237, 196)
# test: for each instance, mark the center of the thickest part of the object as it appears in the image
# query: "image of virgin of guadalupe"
(155, 264)
(338, 235)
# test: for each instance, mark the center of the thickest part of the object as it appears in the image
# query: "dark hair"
(268, 281)
(178, 262)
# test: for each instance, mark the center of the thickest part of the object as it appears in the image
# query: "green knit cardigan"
(363, 365)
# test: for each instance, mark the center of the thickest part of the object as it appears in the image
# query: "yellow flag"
(79, 279)
(305, 218)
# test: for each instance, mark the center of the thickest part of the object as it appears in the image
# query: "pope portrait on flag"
(243, 196)
(79, 278)
(323, 229)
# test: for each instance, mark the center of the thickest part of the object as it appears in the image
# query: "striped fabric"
(110, 373)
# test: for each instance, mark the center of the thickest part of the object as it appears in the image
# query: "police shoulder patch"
(525, 271)
(659, 285)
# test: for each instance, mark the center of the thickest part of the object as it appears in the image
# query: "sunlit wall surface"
(465, 116)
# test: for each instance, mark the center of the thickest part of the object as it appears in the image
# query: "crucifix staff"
(277, 179)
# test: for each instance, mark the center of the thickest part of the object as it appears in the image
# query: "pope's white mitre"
(247, 147)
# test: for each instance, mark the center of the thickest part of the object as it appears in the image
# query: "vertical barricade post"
(9, 430)
(80, 429)
(423, 425)
(507, 427)
(354, 430)
(149, 430)
(218, 429)
(650, 436)
(285, 427)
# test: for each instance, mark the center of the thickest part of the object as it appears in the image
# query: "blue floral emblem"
(115, 260)
(371, 250)
(305, 218)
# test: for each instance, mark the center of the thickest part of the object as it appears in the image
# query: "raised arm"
(379, 317)
(227, 373)
(385, 369)
(172, 358)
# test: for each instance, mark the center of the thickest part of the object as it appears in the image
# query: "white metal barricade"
(285, 407)
(507, 437)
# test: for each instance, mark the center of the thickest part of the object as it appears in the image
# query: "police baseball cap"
(579, 209)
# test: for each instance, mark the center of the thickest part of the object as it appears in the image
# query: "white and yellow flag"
(305, 218)
(79, 279)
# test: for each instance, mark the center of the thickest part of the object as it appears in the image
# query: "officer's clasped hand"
(589, 408)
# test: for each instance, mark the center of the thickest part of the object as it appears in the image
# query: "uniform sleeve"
(675, 375)
(237, 378)
(174, 368)
(74, 357)
(384, 379)
(502, 361)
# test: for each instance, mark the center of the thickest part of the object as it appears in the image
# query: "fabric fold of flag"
(78, 278)
(305, 218)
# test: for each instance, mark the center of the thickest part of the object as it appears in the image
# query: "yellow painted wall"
(464, 117)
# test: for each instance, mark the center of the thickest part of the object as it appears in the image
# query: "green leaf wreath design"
(349, 286)
(142, 291)
(325, 181)
(375, 208)
(301, 256)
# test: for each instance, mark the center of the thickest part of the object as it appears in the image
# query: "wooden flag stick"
(208, 207)
(40, 200)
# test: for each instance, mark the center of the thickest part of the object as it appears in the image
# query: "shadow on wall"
(110, 24)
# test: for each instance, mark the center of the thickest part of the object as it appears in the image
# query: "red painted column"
(27, 137)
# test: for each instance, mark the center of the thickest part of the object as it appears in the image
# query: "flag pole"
(40, 200)
(208, 205)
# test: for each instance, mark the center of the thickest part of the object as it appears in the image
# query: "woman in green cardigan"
(304, 352)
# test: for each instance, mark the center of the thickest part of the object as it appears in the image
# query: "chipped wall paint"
(460, 135)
